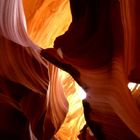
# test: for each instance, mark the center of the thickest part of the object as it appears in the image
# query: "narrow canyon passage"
(66, 70)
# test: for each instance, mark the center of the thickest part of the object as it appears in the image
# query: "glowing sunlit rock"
(131, 85)
(82, 94)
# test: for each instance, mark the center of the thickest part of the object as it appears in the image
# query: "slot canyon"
(69, 70)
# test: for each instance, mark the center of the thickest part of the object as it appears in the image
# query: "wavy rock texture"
(101, 45)
(34, 96)
(98, 45)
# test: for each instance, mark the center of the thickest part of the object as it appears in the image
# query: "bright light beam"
(82, 94)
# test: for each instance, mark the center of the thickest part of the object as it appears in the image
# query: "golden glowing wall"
(47, 19)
